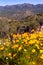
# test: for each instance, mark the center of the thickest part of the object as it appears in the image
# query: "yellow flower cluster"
(30, 45)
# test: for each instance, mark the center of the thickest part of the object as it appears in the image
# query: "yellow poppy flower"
(33, 50)
(7, 43)
(20, 48)
(2, 48)
(15, 46)
(41, 51)
(41, 56)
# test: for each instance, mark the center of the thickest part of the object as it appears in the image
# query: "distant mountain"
(20, 11)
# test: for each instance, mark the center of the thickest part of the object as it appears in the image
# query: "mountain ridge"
(20, 11)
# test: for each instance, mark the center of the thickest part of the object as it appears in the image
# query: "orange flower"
(27, 57)
(41, 34)
(17, 40)
(9, 55)
(33, 50)
(24, 35)
(2, 48)
(41, 56)
(32, 30)
(14, 55)
(14, 36)
(15, 46)
(20, 48)
(25, 50)
(7, 43)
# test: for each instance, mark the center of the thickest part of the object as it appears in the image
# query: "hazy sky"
(12, 2)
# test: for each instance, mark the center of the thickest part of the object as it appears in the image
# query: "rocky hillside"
(20, 11)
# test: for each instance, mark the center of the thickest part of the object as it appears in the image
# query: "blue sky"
(12, 2)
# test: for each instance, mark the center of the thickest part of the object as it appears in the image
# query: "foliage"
(24, 49)
(8, 26)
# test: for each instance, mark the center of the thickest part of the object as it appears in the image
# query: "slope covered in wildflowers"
(23, 49)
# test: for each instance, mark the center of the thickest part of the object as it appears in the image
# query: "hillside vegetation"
(8, 26)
